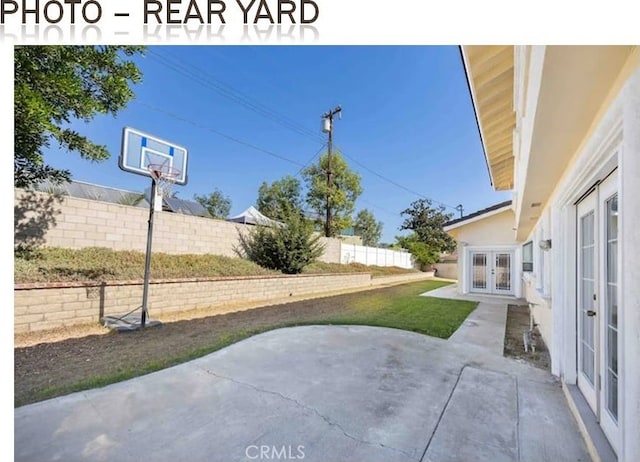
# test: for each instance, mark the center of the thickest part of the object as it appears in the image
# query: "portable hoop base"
(131, 322)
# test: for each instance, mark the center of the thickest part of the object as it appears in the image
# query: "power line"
(382, 177)
(252, 146)
(207, 80)
(219, 133)
(180, 66)
(310, 160)
(371, 204)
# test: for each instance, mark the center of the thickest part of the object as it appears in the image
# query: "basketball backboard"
(139, 150)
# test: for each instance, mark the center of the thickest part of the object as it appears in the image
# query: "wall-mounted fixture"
(545, 244)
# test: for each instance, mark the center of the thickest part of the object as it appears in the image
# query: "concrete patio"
(321, 393)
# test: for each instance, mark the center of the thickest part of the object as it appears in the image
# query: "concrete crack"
(326, 419)
(517, 417)
(88, 399)
(444, 408)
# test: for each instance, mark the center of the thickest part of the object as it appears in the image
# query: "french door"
(587, 329)
(492, 272)
(597, 299)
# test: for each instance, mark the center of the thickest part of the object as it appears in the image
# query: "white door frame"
(596, 394)
(610, 424)
(594, 166)
(487, 272)
(516, 269)
(602, 152)
(496, 290)
(588, 338)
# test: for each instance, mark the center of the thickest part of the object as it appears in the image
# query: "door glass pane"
(611, 307)
(479, 271)
(587, 290)
(503, 271)
(612, 395)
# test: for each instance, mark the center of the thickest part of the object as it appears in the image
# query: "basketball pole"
(147, 260)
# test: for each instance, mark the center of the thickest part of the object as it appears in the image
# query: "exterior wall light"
(545, 244)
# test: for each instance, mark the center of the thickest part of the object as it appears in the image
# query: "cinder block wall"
(401, 278)
(40, 306)
(331, 250)
(77, 223)
(50, 305)
(447, 270)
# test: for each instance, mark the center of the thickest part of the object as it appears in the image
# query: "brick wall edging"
(53, 307)
(135, 282)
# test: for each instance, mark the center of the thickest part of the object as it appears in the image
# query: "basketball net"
(165, 177)
(164, 187)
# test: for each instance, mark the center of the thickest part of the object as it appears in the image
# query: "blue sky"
(407, 116)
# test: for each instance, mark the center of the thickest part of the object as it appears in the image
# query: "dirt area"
(29, 339)
(59, 365)
(517, 325)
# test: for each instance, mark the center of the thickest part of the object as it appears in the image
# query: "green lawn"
(405, 309)
(49, 370)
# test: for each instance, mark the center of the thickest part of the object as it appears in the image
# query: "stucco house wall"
(493, 231)
(575, 143)
(536, 284)
(612, 144)
(490, 230)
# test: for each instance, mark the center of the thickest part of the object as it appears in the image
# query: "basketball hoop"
(165, 176)
(150, 156)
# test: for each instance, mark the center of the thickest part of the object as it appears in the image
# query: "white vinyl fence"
(353, 253)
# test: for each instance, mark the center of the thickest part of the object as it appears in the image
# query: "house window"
(527, 257)
(541, 265)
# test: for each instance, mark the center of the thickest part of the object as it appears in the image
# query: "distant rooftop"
(479, 213)
(83, 190)
(95, 192)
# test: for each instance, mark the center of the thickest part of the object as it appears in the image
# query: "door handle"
(591, 313)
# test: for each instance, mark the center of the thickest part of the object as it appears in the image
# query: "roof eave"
(475, 111)
(490, 77)
(476, 218)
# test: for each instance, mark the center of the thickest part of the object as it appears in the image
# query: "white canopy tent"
(252, 216)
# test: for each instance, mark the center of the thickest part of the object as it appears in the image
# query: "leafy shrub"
(424, 254)
(288, 248)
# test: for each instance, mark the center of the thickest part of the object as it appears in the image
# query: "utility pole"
(328, 128)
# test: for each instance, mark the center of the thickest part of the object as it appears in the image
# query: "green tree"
(423, 253)
(367, 227)
(280, 198)
(340, 198)
(288, 248)
(217, 204)
(55, 85)
(427, 223)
